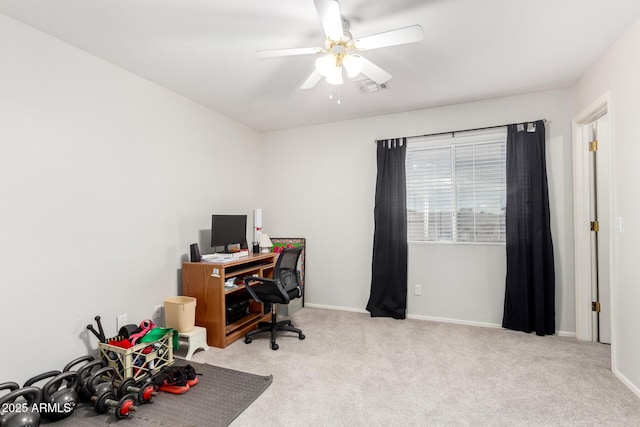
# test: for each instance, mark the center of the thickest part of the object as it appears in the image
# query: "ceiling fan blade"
(311, 81)
(374, 72)
(330, 18)
(404, 35)
(273, 53)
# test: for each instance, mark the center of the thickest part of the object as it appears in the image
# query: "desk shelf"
(248, 319)
(205, 282)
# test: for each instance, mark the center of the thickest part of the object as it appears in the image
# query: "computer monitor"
(227, 230)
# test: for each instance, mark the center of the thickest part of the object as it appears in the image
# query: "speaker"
(195, 253)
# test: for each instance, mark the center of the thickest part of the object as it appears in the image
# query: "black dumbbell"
(105, 397)
(144, 393)
(123, 407)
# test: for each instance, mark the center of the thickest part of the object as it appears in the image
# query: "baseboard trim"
(334, 307)
(454, 321)
(432, 319)
(631, 386)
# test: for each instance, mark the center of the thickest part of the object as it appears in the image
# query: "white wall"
(328, 173)
(617, 72)
(105, 180)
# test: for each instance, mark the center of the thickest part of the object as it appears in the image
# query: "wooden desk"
(205, 282)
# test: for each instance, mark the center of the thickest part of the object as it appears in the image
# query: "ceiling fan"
(342, 51)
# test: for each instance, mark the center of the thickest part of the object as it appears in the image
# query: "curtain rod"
(453, 132)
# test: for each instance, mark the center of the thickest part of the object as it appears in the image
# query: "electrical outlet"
(157, 311)
(417, 290)
(121, 320)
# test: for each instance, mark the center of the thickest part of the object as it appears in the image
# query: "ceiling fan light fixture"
(352, 64)
(335, 76)
(325, 64)
(341, 49)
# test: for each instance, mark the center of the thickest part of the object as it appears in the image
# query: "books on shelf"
(222, 257)
(217, 260)
(240, 254)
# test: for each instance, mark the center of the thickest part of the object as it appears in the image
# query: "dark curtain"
(529, 303)
(388, 297)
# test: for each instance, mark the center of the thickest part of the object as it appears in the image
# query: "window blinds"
(456, 190)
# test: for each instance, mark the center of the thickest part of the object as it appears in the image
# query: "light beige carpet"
(354, 370)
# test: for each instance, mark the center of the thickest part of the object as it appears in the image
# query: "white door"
(597, 140)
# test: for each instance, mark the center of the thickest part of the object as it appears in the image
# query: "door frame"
(582, 241)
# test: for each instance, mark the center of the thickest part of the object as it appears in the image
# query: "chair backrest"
(286, 270)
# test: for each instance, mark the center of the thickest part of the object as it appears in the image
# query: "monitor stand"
(231, 248)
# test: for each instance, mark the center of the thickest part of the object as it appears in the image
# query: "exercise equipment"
(31, 381)
(74, 362)
(99, 335)
(116, 340)
(145, 326)
(144, 393)
(58, 403)
(99, 323)
(175, 379)
(37, 379)
(84, 373)
(123, 336)
(61, 401)
(97, 384)
(105, 398)
(10, 385)
(25, 412)
(96, 333)
(127, 330)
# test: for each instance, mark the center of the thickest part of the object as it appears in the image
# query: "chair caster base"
(274, 346)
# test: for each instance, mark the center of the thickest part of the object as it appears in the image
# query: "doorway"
(593, 222)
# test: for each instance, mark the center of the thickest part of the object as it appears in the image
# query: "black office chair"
(284, 287)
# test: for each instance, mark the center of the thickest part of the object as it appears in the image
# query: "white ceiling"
(205, 49)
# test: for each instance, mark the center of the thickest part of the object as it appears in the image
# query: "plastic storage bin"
(180, 313)
(139, 361)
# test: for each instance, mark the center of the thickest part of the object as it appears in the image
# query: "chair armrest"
(270, 285)
(258, 279)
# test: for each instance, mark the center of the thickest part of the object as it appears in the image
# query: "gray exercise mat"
(219, 397)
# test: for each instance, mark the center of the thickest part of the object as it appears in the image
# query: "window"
(456, 187)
